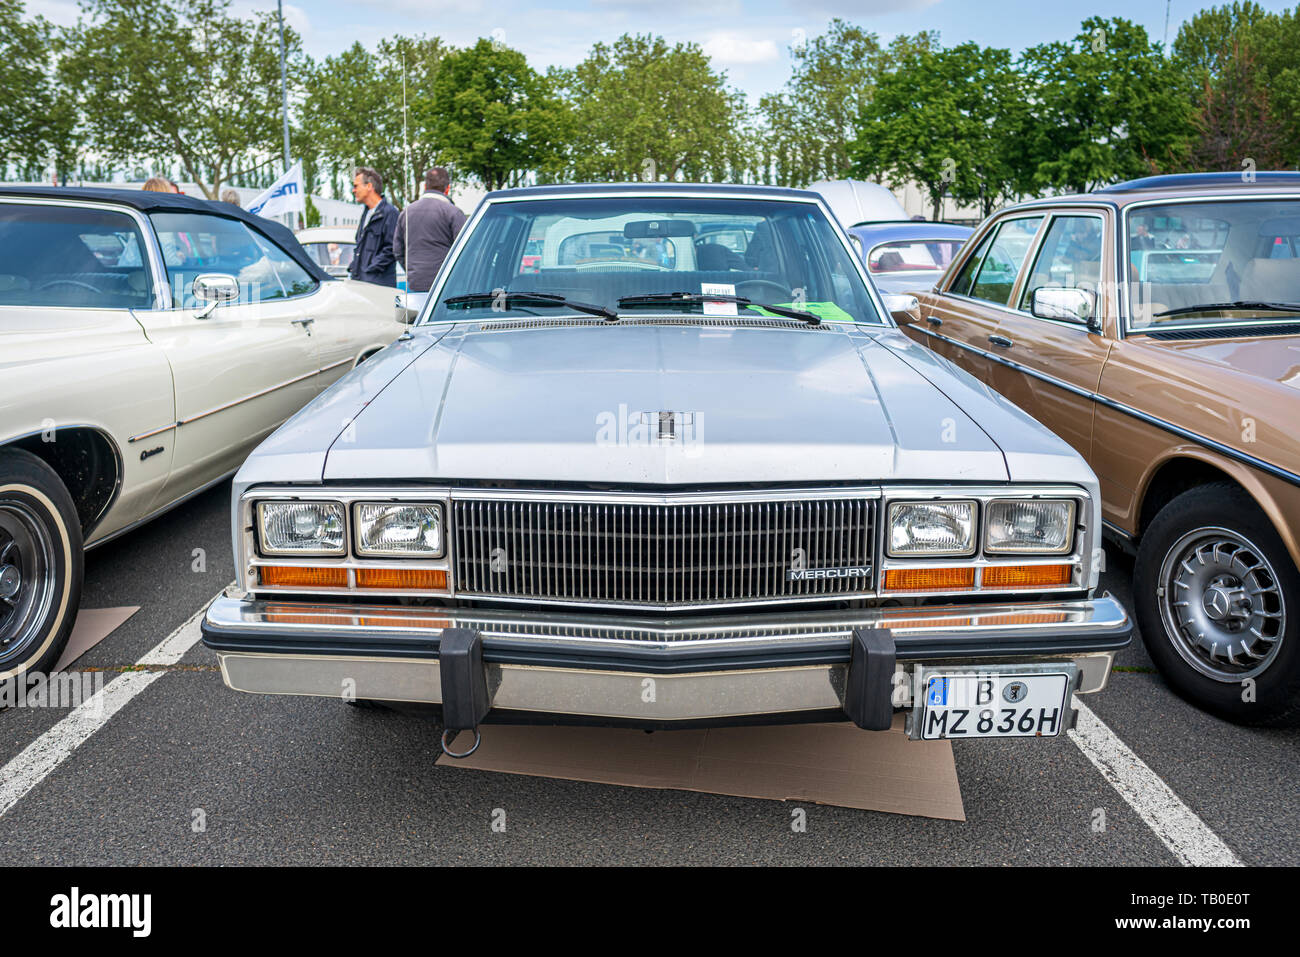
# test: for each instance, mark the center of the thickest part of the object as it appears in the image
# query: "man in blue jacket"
(373, 260)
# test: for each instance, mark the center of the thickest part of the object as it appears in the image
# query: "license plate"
(1003, 704)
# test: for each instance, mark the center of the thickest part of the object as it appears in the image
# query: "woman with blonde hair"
(156, 184)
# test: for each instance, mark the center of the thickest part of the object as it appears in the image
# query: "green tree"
(183, 79)
(1271, 44)
(37, 116)
(946, 120)
(808, 126)
(351, 114)
(1107, 106)
(493, 116)
(1204, 43)
(642, 110)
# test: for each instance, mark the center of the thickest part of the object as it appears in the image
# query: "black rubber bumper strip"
(868, 696)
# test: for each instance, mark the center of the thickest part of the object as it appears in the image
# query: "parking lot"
(188, 772)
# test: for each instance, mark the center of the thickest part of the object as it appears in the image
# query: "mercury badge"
(1015, 691)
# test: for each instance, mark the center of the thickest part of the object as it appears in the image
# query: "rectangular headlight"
(931, 529)
(399, 529)
(1029, 527)
(301, 528)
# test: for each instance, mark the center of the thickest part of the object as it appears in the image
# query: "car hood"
(575, 402)
(1271, 358)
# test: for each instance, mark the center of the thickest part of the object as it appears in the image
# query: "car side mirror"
(214, 288)
(904, 309)
(1068, 305)
(338, 272)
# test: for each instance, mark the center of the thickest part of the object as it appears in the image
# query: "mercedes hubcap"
(1222, 604)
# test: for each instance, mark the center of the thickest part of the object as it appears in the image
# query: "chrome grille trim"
(661, 552)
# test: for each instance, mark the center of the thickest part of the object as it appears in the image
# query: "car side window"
(1070, 257)
(966, 277)
(997, 273)
(71, 257)
(197, 243)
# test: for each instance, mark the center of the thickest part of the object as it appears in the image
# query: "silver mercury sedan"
(658, 455)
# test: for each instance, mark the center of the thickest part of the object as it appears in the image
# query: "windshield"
(602, 250)
(1212, 254)
(919, 255)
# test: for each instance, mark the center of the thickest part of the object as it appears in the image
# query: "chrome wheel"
(1221, 604)
(28, 584)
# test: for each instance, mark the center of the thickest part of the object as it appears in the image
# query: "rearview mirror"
(408, 305)
(215, 287)
(656, 228)
(904, 309)
(1069, 305)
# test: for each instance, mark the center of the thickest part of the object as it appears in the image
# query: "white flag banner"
(285, 195)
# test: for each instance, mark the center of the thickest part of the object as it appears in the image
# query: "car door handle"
(305, 323)
(934, 320)
(1002, 341)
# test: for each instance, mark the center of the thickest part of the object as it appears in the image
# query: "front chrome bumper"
(653, 671)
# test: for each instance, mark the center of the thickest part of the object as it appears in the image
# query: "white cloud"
(730, 49)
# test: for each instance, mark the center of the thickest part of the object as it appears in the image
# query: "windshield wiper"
(537, 299)
(1216, 306)
(651, 298)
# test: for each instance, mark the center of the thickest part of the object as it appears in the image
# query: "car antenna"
(406, 223)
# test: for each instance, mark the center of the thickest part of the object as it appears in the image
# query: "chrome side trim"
(1212, 444)
(158, 431)
(248, 398)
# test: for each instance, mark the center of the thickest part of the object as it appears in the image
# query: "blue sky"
(749, 39)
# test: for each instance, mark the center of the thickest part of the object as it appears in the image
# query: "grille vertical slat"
(707, 553)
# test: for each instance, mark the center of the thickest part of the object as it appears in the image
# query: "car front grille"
(663, 555)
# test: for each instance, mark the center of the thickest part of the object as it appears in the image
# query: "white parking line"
(1186, 835)
(52, 748)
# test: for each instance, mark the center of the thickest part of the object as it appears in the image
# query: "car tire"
(1217, 598)
(41, 564)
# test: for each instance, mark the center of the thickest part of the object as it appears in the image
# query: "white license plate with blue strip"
(1001, 704)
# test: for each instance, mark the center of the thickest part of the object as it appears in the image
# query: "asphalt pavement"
(189, 772)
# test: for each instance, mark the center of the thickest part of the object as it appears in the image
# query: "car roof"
(883, 232)
(702, 189)
(1215, 181)
(147, 201)
(316, 234)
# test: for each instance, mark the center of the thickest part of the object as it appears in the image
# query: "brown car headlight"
(301, 528)
(931, 529)
(1029, 527)
(399, 530)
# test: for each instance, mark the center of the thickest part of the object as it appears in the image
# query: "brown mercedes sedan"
(1155, 325)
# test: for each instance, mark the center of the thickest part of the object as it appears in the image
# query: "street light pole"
(284, 88)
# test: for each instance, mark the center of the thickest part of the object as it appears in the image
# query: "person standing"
(373, 259)
(426, 229)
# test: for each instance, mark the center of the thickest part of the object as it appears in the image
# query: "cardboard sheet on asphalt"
(819, 763)
(93, 626)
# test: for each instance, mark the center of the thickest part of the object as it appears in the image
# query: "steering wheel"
(781, 294)
(51, 283)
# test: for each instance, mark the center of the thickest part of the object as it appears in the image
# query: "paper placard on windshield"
(718, 289)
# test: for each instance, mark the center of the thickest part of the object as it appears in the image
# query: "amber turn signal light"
(1027, 576)
(296, 576)
(929, 579)
(424, 579)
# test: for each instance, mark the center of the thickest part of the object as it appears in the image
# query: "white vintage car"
(148, 342)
